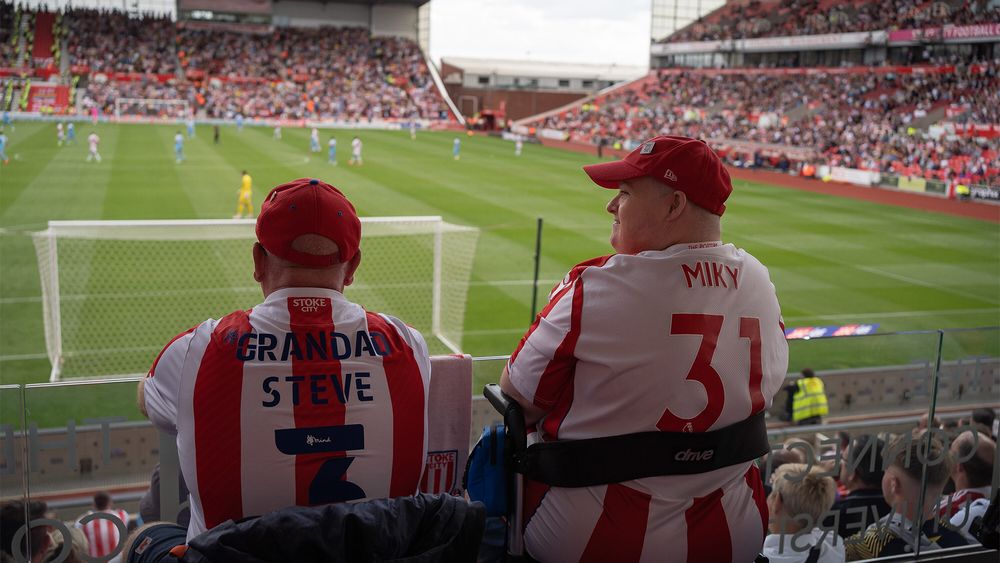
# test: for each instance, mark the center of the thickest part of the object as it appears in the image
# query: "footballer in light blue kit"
(456, 146)
(3, 147)
(332, 151)
(314, 140)
(239, 121)
(7, 123)
(70, 133)
(190, 127)
(179, 147)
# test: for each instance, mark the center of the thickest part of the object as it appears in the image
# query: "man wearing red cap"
(675, 333)
(307, 398)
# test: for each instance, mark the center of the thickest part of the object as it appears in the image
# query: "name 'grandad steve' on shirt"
(316, 388)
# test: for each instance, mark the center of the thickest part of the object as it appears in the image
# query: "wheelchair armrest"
(513, 415)
(500, 400)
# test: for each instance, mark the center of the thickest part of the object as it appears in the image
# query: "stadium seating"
(744, 19)
(29, 39)
(290, 73)
(111, 41)
(867, 120)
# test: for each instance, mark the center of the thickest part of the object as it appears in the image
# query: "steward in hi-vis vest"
(809, 400)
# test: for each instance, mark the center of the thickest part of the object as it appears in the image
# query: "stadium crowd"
(770, 18)
(860, 120)
(322, 73)
(112, 41)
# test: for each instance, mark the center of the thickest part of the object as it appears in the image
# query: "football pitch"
(834, 261)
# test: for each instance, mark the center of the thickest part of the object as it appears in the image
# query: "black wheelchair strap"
(613, 459)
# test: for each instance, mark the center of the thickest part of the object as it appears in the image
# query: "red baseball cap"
(681, 163)
(303, 207)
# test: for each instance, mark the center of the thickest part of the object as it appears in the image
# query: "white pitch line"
(362, 286)
(23, 357)
(875, 271)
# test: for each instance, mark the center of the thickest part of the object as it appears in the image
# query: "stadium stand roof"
(415, 3)
(539, 69)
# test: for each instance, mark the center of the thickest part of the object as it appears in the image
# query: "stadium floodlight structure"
(151, 108)
(115, 292)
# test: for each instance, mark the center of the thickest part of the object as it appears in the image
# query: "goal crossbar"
(104, 281)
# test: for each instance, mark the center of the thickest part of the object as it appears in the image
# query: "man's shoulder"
(385, 321)
(598, 262)
(577, 271)
(871, 543)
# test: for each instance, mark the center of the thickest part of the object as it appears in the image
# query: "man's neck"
(856, 486)
(961, 484)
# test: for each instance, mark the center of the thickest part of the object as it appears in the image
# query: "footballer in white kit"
(355, 152)
(685, 337)
(93, 141)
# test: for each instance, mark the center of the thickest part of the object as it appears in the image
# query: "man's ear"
(259, 262)
(352, 266)
(678, 203)
(895, 486)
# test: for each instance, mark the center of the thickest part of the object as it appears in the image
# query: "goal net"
(115, 292)
(152, 108)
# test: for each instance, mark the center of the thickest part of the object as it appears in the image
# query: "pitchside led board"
(807, 332)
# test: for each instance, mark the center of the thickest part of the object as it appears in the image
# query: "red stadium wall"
(517, 103)
(44, 38)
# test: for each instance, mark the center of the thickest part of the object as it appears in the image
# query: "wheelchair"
(567, 463)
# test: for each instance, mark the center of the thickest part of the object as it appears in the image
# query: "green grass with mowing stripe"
(833, 260)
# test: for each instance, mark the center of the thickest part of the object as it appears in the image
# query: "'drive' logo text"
(310, 304)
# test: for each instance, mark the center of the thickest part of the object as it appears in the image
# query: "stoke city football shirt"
(686, 339)
(306, 399)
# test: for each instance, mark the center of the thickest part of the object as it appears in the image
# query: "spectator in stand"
(745, 20)
(988, 418)
(616, 371)
(775, 459)
(78, 551)
(109, 41)
(861, 473)
(34, 544)
(798, 499)
(245, 453)
(899, 531)
(102, 533)
(854, 120)
(972, 472)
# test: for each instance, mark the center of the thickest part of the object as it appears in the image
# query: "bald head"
(973, 453)
(274, 273)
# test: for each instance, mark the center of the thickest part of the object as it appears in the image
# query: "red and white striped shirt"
(102, 534)
(306, 399)
(687, 339)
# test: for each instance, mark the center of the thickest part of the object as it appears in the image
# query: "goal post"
(115, 292)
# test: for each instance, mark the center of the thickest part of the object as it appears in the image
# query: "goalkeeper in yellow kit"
(246, 197)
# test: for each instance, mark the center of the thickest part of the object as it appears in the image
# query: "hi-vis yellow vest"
(809, 400)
